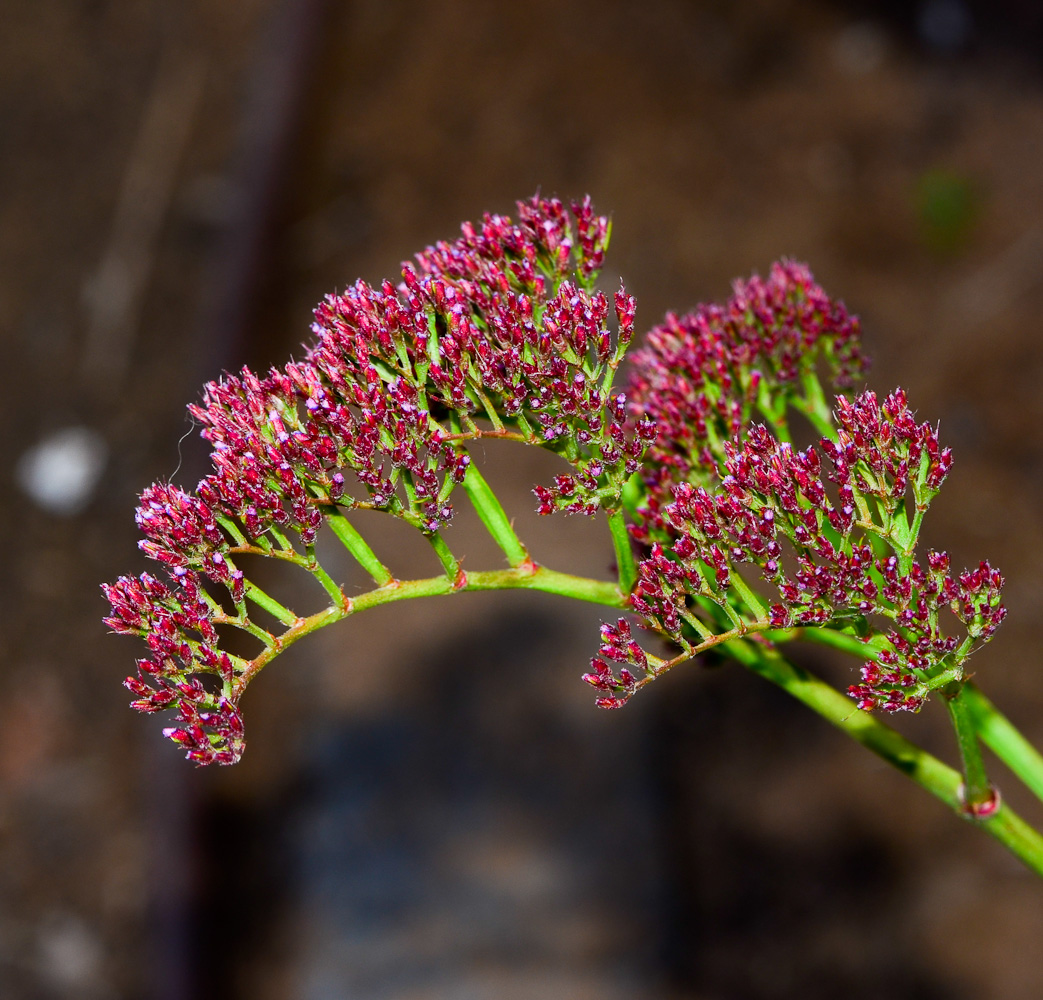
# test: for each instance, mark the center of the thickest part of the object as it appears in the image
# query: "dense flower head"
(704, 376)
(283, 443)
(503, 325)
(498, 333)
(834, 540)
(178, 622)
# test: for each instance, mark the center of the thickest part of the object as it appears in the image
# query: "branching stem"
(976, 793)
(926, 770)
(493, 516)
(624, 550)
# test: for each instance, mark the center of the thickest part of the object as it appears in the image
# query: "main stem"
(939, 779)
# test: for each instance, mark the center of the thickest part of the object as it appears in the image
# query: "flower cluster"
(500, 326)
(703, 376)
(498, 333)
(619, 646)
(916, 656)
(837, 549)
(178, 625)
(522, 340)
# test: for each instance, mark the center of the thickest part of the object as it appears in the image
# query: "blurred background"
(430, 805)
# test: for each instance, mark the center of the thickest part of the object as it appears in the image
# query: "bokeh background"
(430, 806)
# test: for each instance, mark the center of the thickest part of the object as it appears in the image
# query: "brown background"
(430, 805)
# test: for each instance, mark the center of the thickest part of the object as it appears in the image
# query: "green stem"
(976, 791)
(994, 729)
(297, 630)
(827, 637)
(750, 599)
(528, 576)
(313, 566)
(493, 516)
(926, 770)
(624, 550)
(359, 548)
(998, 733)
(269, 604)
(232, 528)
(814, 405)
(445, 556)
(285, 545)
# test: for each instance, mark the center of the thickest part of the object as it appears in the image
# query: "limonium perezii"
(726, 533)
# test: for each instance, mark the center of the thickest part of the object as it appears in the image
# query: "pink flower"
(837, 546)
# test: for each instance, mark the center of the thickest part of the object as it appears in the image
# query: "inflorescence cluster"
(703, 377)
(496, 334)
(833, 548)
(502, 334)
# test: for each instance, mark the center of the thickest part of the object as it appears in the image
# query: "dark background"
(430, 806)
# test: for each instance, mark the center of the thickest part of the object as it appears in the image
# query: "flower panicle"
(186, 671)
(497, 333)
(835, 538)
(502, 327)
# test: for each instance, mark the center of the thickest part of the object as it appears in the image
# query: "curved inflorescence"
(496, 334)
(502, 334)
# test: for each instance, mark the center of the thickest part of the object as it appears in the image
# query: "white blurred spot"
(63, 470)
(69, 953)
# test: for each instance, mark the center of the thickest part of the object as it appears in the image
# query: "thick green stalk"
(926, 770)
(749, 598)
(994, 729)
(278, 611)
(617, 525)
(976, 792)
(998, 733)
(359, 548)
(493, 516)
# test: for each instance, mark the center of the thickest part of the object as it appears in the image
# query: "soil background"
(430, 806)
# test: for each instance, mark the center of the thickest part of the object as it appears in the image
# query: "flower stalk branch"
(1001, 736)
(487, 505)
(976, 792)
